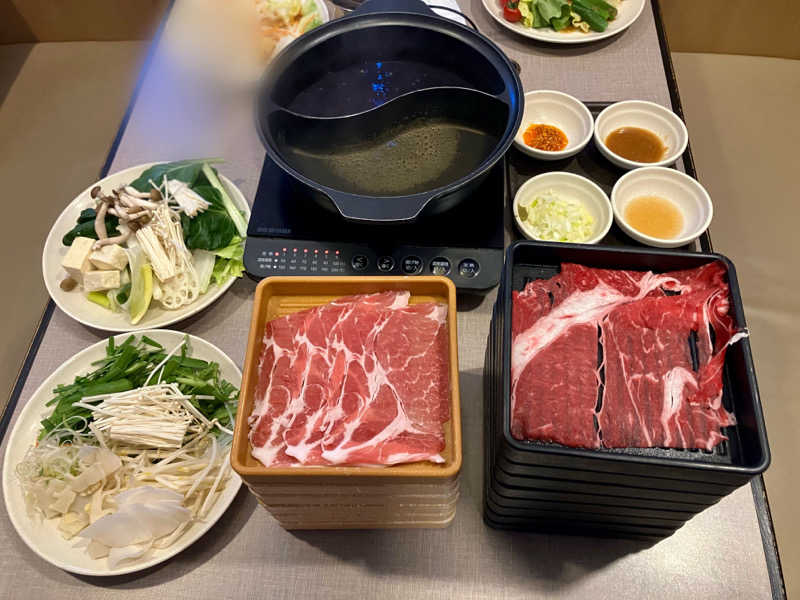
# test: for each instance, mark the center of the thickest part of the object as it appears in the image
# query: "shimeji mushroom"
(100, 220)
(118, 239)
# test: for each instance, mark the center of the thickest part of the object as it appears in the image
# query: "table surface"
(718, 554)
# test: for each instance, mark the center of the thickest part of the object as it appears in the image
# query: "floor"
(741, 115)
(54, 137)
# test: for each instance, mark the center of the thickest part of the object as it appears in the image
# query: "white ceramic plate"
(76, 305)
(42, 536)
(629, 11)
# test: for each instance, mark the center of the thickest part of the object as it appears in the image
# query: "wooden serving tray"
(278, 296)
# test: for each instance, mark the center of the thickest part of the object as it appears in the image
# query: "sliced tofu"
(76, 262)
(109, 258)
(98, 281)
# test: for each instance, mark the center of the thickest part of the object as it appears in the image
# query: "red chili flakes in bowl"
(545, 137)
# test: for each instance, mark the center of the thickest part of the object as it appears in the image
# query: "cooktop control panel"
(469, 268)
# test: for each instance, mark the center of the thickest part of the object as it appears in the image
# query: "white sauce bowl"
(646, 115)
(567, 185)
(561, 110)
(686, 193)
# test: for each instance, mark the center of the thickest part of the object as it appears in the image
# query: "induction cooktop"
(291, 234)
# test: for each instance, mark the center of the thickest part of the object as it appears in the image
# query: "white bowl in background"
(646, 115)
(570, 186)
(691, 198)
(561, 110)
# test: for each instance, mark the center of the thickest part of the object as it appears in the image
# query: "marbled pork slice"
(294, 374)
(396, 394)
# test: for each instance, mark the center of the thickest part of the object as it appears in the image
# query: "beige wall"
(78, 20)
(758, 28)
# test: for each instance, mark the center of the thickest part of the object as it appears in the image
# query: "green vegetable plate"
(563, 21)
(42, 535)
(213, 236)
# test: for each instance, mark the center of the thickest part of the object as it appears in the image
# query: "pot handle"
(381, 6)
(463, 15)
(397, 209)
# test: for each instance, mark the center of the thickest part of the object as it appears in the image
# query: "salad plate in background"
(185, 253)
(282, 21)
(231, 43)
(557, 21)
(38, 454)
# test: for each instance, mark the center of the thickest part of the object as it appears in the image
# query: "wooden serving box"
(278, 296)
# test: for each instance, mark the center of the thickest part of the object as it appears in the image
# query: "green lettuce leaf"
(234, 250)
(225, 268)
(563, 21)
(556, 13)
(538, 20)
(229, 261)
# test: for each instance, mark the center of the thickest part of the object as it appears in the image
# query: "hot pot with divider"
(390, 112)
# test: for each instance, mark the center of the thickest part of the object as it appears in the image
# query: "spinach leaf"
(210, 229)
(87, 214)
(187, 171)
(85, 227)
(211, 195)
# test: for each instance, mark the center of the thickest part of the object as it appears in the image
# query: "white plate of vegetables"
(147, 247)
(120, 459)
(565, 21)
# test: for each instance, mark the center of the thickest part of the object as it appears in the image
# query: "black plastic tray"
(599, 477)
(586, 507)
(588, 163)
(610, 519)
(574, 527)
(746, 453)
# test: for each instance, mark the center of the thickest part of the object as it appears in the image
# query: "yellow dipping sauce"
(654, 216)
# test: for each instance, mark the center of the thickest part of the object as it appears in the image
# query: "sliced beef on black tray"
(654, 396)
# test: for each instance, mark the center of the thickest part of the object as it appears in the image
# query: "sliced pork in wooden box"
(351, 384)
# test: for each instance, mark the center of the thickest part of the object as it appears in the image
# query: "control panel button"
(412, 265)
(385, 263)
(440, 266)
(359, 262)
(468, 268)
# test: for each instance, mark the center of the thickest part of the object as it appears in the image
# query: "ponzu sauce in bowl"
(655, 216)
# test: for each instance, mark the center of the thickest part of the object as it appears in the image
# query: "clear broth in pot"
(420, 154)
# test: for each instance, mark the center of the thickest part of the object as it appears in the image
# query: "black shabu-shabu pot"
(390, 111)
